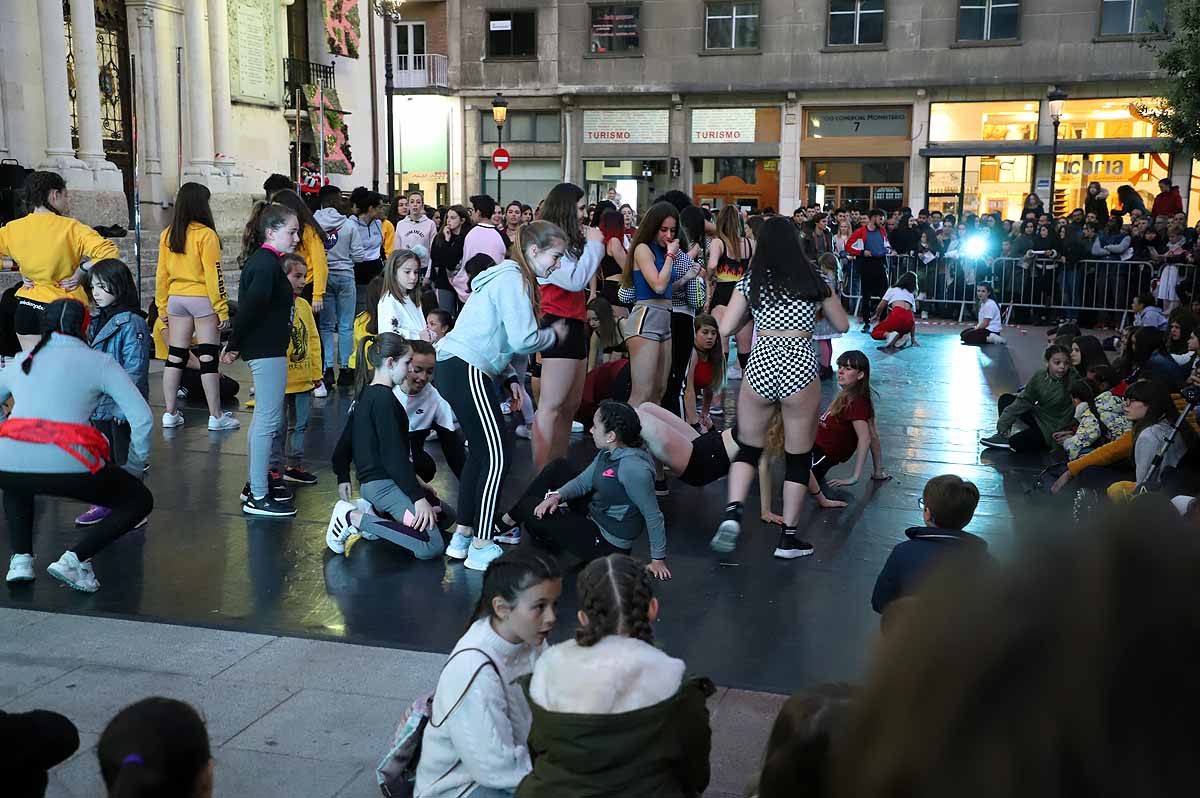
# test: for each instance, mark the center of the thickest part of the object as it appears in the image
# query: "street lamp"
(1057, 98)
(499, 115)
(390, 11)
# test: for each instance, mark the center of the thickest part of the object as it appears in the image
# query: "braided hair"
(63, 316)
(510, 575)
(621, 420)
(615, 594)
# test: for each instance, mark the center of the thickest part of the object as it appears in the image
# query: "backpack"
(397, 771)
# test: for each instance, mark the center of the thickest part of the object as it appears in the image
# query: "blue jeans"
(338, 314)
(270, 381)
(1071, 287)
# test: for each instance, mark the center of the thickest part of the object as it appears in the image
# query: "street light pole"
(1057, 98)
(499, 114)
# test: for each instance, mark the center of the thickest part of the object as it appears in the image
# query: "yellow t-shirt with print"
(304, 350)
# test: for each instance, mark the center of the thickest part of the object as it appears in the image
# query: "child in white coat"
(400, 305)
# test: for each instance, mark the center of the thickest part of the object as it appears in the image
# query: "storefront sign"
(721, 125)
(1110, 165)
(626, 127)
(857, 122)
(888, 194)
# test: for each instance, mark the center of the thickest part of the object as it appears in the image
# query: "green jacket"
(660, 751)
(1050, 401)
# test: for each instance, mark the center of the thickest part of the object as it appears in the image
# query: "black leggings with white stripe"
(473, 396)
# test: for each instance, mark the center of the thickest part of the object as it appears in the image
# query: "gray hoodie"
(341, 239)
(623, 502)
(496, 323)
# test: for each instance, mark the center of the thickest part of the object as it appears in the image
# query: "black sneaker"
(279, 491)
(345, 378)
(660, 488)
(268, 506)
(790, 547)
(328, 378)
(299, 475)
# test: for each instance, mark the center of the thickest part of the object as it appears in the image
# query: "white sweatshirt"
(404, 318)
(483, 741)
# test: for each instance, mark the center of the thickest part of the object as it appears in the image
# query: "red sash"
(83, 442)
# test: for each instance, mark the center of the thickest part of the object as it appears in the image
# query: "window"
(512, 34)
(1122, 17)
(731, 26)
(614, 29)
(1114, 118)
(525, 179)
(855, 22)
(987, 20)
(998, 121)
(1142, 170)
(533, 126)
(979, 184)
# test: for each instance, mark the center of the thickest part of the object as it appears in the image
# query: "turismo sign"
(626, 127)
(721, 125)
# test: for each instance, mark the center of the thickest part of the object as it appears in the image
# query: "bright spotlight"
(976, 245)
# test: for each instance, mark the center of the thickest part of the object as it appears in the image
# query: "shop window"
(714, 170)
(1115, 118)
(855, 22)
(731, 26)
(615, 29)
(998, 121)
(1123, 17)
(857, 184)
(1141, 170)
(988, 20)
(512, 34)
(979, 184)
(540, 127)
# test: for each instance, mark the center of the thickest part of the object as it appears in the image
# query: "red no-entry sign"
(500, 159)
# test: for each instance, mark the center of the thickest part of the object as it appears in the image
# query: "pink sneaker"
(94, 515)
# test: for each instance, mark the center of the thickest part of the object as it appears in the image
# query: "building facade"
(778, 103)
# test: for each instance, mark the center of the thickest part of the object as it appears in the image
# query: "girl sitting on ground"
(706, 372)
(847, 428)
(376, 440)
(620, 484)
(1100, 417)
(476, 742)
(900, 301)
(1149, 406)
(1044, 405)
(987, 330)
(611, 683)
(1086, 353)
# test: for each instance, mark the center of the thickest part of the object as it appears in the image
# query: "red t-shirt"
(836, 435)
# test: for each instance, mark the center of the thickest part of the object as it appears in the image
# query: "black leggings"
(473, 396)
(570, 529)
(683, 336)
(1029, 439)
(111, 487)
(453, 450)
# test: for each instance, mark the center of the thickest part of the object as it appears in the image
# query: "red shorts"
(899, 320)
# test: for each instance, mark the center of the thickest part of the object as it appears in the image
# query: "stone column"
(218, 31)
(199, 89)
(148, 105)
(60, 155)
(87, 95)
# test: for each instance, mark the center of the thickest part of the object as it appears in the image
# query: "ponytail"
(543, 235)
(158, 746)
(66, 316)
(265, 216)
(372, 351)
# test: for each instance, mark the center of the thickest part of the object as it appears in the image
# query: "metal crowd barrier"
(1024, 287)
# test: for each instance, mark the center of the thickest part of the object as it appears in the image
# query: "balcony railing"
(297, 73)
(420, 71)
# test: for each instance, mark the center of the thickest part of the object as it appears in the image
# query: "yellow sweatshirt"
(195, 272)
(389, 239)
(48, 248)
(360, 332)
(312, 249)
(304, 350)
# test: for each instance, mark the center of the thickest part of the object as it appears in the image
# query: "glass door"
(410, 55)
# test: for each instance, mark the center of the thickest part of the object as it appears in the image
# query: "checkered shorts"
(780, 366)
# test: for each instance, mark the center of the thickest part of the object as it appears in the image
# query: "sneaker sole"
(87, 523)
(454, 555)
(12, 580)
(510, 540)
(726, 538)
(475, 566)
(298, 481)
(173, 426)
(792, 554)
(69, 582)
(990, 445)
(267, 513)
(220, 428)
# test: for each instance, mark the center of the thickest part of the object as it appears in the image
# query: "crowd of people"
(567, 317)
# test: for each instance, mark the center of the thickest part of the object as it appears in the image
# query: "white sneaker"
(321, 391)
(459, 544)
(512, 537)
(20, 568)
(576, 428)
(522, 431)
(78, 575)
(223, 422)
(172, 419)
(365, 507)
(339, 529)
(995, 338)
(478, 559)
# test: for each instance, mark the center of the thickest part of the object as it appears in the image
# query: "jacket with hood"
(125, 336)
(912, 560)
(1050, 401)
(856, 244)
(416, 234)
(623, 502)
(341, 239)
(369, 242)
(617, 718)
(1098, 205)
(496, 324)
(1087, 434)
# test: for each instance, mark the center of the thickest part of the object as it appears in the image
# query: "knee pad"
(747, 454)
(180, 352)
(210, 351)
(797, 467)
